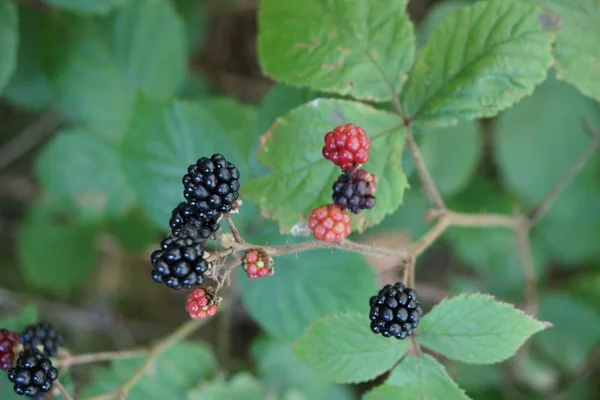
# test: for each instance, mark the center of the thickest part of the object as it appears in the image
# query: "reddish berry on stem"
(9, 342)
(257, 264)
(329, 223)
(201, 303)
(346, 145)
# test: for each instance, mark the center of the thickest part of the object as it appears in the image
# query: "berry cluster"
(395, 311)
(33, 373)
(211, 188)
(348, 147)
(257, 264)
(201, 303)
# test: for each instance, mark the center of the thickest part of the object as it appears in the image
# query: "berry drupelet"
(188, 221)
(395, 311)
(346, 145)
(33, 374)
(329, 223)
(9, 342)
(212, 185)
(42, 334)
(179, 263)
(354, 190)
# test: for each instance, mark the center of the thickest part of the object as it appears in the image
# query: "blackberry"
(354, 190)
(33, 374)
(42, 334)
(187, 221)
(179, 263)
(212, 185)
(395, 311)
(9, 341)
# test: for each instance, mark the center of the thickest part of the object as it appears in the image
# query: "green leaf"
(474, 328)
(408, 217)
(438, 12)
(564, 345)
(342, 348)
(242, 386)
(479, 61)
(463, 142)
(141, 49)
(29, 86)
(576, 51)
(135, 230)
(475, 377)
(56, 253)
(307, 286)
(280, 100)
(419, 378)
(280, 370)
(28, 315)
(89, 7)
(292, 148)
(353, 48)
(9, 40)
(195, 14)
(170, 376)
(163, 140)
(543, 122)
(85, 169)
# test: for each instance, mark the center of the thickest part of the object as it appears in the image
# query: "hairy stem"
(233, 228)
(90, 358)
(540, 211)
(63, 390)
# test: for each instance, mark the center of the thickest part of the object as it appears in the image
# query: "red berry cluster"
(348, 147)
(9, 343)
(257, 264)
(201, 303)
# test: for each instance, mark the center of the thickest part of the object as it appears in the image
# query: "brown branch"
(63, 390)
(232, 227)
(430, 236)
(180, 333)
(345, 245)
(538, 212)
(90, 358)
(529, 273)
(433, 194)
(29, 138)
(475, 220)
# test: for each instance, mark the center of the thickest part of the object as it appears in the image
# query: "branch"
(529, 273)
(475, 220)
(430, 236)
(90, 358)
(180, 333)
(345, 245)
(29, 138)
(538, 212)
(434, 196)
(63, 390)
(232, 227)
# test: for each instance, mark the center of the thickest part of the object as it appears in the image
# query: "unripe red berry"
(329, 223)
(346, 145)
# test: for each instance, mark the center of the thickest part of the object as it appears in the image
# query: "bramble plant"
(465, 129)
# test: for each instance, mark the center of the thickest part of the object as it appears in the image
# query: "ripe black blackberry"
(354, 190)
(212, 185)
(179, 263)
(33, 374)
(42, 334)
(187, 221)
(395, 311)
